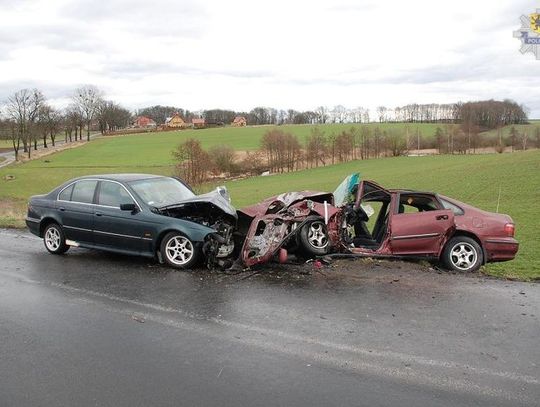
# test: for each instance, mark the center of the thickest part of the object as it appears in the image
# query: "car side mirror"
(128, 207)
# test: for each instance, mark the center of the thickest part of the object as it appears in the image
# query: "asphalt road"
(95, 329)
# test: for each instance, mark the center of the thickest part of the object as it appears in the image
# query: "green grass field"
(475, 179)
(154, 149)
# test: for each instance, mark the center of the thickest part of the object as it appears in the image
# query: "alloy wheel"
(53, 239)
(463, 256)
(317, 236)
(179, 250)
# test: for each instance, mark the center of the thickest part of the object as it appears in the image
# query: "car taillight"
(510, 229)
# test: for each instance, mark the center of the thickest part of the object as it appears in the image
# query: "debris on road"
(138, 318)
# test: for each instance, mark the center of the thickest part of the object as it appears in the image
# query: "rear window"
(413, 203)
(65, 195)
(448, 205)
(83, 191)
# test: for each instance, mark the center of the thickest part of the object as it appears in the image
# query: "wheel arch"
(46, 221)
(466, 233)
(164, 232)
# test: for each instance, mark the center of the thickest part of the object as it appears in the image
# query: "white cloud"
(240, 53)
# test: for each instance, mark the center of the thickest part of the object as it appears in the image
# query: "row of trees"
(488, 114)
(27, 118)
(283, 152)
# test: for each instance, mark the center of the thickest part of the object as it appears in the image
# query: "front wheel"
(314, 238)
(462, 253)
(178, 251)
(54, 239)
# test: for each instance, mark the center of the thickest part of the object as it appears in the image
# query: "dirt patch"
(12, 213)
(342, 273)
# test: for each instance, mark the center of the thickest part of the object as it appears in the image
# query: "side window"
(83, 191)
(411, 203)
(113, 194)
(65, 195)
(448, 205)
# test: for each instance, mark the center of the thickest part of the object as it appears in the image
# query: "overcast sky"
(238, 54)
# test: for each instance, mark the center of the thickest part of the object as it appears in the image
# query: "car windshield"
(161, 192)
(344, 193)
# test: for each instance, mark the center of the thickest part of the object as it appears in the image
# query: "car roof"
(121, 177)
(411, 191)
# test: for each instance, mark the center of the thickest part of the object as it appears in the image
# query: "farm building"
(175, 121)
(144, 122)
(198, 123)
(239, 121)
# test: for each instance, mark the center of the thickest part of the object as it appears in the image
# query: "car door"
(116, 228)
(367, 190)
(76, 210)
(421, 227)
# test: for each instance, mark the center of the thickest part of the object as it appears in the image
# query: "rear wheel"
(462, 253)
(314, 238)
(54, 239)
(178, 251)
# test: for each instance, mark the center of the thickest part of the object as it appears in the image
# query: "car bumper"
(501, 249)
(33, 225)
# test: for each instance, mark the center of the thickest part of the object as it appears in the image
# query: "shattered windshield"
(161, 192)
(344, 193)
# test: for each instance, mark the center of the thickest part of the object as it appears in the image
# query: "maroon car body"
(407, 224)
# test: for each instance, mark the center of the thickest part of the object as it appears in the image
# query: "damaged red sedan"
(361, 218)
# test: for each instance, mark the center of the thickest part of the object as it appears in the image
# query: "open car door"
(421, 228)
(367, 190)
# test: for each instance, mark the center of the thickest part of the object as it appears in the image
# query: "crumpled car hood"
(214, 197)
(287, 199)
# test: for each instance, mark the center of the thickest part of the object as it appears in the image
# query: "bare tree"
(322, 114)
(23, 108)
(193, 162)
(395, 143)
(381, 112)
(87, 99)
(316, 148)
(339, 114)
(111, 116)
(223, 158)
(48, 124)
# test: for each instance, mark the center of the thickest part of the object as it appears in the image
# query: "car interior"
(370, 231)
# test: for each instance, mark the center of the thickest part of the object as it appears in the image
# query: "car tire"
(462, 254)
(313, 238)
(178, 251)
(54, 239)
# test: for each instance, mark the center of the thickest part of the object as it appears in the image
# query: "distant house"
(143, 122)
(175, 121)
(198, 123)
(239, 121)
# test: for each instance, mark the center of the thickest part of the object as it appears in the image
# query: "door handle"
(99, 214)
(62, 209)
(441, 217)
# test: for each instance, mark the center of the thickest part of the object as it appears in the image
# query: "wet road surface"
(91, 328)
